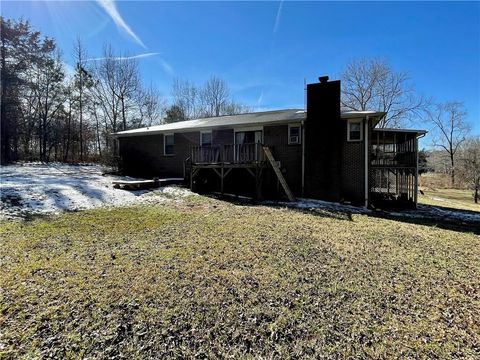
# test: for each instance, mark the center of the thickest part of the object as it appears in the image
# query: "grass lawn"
(451, 198)
(210, 279)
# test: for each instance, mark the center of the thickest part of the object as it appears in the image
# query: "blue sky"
(265, 50)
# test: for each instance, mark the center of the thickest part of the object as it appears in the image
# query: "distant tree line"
(466, 162)
(51, 114)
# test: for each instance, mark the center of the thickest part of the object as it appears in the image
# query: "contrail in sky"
(260, 98)
(111, 9)
(277, 19)
(120, 58)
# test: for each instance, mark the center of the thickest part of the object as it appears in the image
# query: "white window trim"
(299, 134)
(356, 121)
(165, 144)
(206, 132)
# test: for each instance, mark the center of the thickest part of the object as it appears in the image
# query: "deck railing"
(229, 153)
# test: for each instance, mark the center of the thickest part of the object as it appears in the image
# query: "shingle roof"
(249, 119)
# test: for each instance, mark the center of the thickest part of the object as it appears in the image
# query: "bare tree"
(371, 84)
(128, 85)
(106, 89)
(469, 161)
(150, 107)
(50, 96)
(83, 82)
(124, 102)
(186, 97)
(450, 129)
(232, 108)
(214, 97)
(211, 99)
(69, 121)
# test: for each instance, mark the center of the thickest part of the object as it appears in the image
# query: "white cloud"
(111, 9)
(120, 58)
(277, 19)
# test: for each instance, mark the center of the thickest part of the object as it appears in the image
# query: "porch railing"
(229, 153)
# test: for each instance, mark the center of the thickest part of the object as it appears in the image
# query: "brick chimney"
(323, 135)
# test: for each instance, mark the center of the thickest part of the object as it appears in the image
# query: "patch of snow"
(422, 211)
(312, 204)
(37, 188)
(173, 191)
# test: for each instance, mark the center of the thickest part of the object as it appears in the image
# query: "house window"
(206, 138)
(248, 137)
(355, 130)
(294, 134)
(168, 148)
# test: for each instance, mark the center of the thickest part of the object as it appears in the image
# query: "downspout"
(303, 158)
(366, 160)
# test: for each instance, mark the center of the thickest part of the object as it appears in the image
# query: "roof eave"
(203, 128)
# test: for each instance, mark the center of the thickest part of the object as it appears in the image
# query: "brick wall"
(353, 168)
(144, 155)
(290, 156)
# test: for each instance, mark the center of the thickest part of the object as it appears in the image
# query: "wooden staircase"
(278, 172)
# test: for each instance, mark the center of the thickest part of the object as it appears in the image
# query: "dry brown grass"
(210, 279)
(449, 198)
(434, 181)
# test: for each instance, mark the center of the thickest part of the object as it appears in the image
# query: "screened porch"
(393, 177)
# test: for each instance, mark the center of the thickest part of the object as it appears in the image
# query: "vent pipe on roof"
(323, 79)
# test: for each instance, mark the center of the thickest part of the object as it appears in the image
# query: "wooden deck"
(222, 159)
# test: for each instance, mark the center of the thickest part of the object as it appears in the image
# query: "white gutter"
(366, 160)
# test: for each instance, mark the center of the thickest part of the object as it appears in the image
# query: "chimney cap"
(323, 79)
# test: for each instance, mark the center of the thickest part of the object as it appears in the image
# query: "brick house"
(320, 153)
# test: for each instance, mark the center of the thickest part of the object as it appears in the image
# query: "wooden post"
(191, 179)
(279, 174)
(222, 176)
(258, 182)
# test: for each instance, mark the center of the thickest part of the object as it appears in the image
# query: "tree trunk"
(124, 117)
(97, 130)
(452, 172)
(4, 131)
(81, 114)
(67, 146)
(475, 197)
(81, 128)
(43, 154)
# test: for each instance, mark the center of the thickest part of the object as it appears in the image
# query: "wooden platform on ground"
(144, 184)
